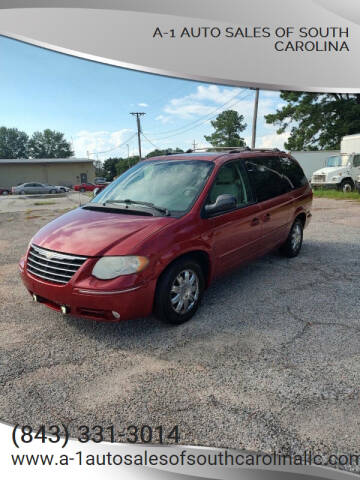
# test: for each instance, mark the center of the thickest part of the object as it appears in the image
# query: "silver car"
(34, 188)
(62, 188)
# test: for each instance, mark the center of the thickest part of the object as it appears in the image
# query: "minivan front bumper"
(106, 304)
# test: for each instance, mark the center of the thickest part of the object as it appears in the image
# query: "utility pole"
(194, 145)
(256, 104)
(138, 115)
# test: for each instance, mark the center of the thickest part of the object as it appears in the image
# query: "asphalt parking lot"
(270, 362)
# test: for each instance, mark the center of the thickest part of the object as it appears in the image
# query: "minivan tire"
(291, 248)
(53, 191)
(192, 289)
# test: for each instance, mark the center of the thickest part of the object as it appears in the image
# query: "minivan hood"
(95, 233)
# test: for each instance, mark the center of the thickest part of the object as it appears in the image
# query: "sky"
(91, 103)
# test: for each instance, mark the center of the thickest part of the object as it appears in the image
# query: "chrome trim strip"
(54, 261)
(46, 278)
(50, 273)
(112, 292)
(50, 266)
(52, 254)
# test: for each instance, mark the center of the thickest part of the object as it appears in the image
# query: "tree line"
(46, 144)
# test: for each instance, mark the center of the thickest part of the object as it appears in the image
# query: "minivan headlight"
(112, 267)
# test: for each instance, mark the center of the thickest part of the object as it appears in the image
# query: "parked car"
(34, 188)
(5, 191)
(100, 180)
(62, 188)
(158, 235)
(88, 187)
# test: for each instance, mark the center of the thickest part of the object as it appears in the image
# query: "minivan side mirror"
(223, 203)
(96, 191)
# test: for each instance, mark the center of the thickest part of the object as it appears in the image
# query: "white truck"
(341, 171)
(312, 160)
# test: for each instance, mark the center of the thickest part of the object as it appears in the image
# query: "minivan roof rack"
(232, 149)
(209, 149)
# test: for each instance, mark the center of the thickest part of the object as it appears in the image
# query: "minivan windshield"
(337, 161)
(166, 186)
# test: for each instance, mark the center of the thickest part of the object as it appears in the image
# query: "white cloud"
(273, 140)
(99, 141)
(202, 102)
(163, 119)
(143, 104)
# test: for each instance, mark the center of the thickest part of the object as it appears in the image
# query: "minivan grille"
(52, 266)
(319, 178)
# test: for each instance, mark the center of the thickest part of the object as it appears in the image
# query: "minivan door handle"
(266, 217)
(255, 221)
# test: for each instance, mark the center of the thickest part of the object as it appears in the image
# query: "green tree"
(228, 125)
(49, 144)
(157, 152)
(124, 164)
(13, 143)
(99, 170)
(316, 120)
(109, 168)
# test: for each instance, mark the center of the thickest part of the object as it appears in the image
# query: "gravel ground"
(271, 360)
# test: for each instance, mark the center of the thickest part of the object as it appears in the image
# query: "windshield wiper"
(128, 201)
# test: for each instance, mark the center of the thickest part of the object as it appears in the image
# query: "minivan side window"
(292, 170)
(266, 181)
(230, 180)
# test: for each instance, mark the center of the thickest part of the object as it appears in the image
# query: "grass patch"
(336, 194)
(44, 202)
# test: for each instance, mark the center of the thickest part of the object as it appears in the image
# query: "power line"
(198, 125)
(203, 116)
(146, 138)
(177, 131)
(191, 127)
(114, 148)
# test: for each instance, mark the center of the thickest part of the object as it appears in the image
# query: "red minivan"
(155, 238)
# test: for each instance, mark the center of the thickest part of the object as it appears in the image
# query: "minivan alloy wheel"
(296, 236)
(292, 246)
(179, 291)
(184, 291)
